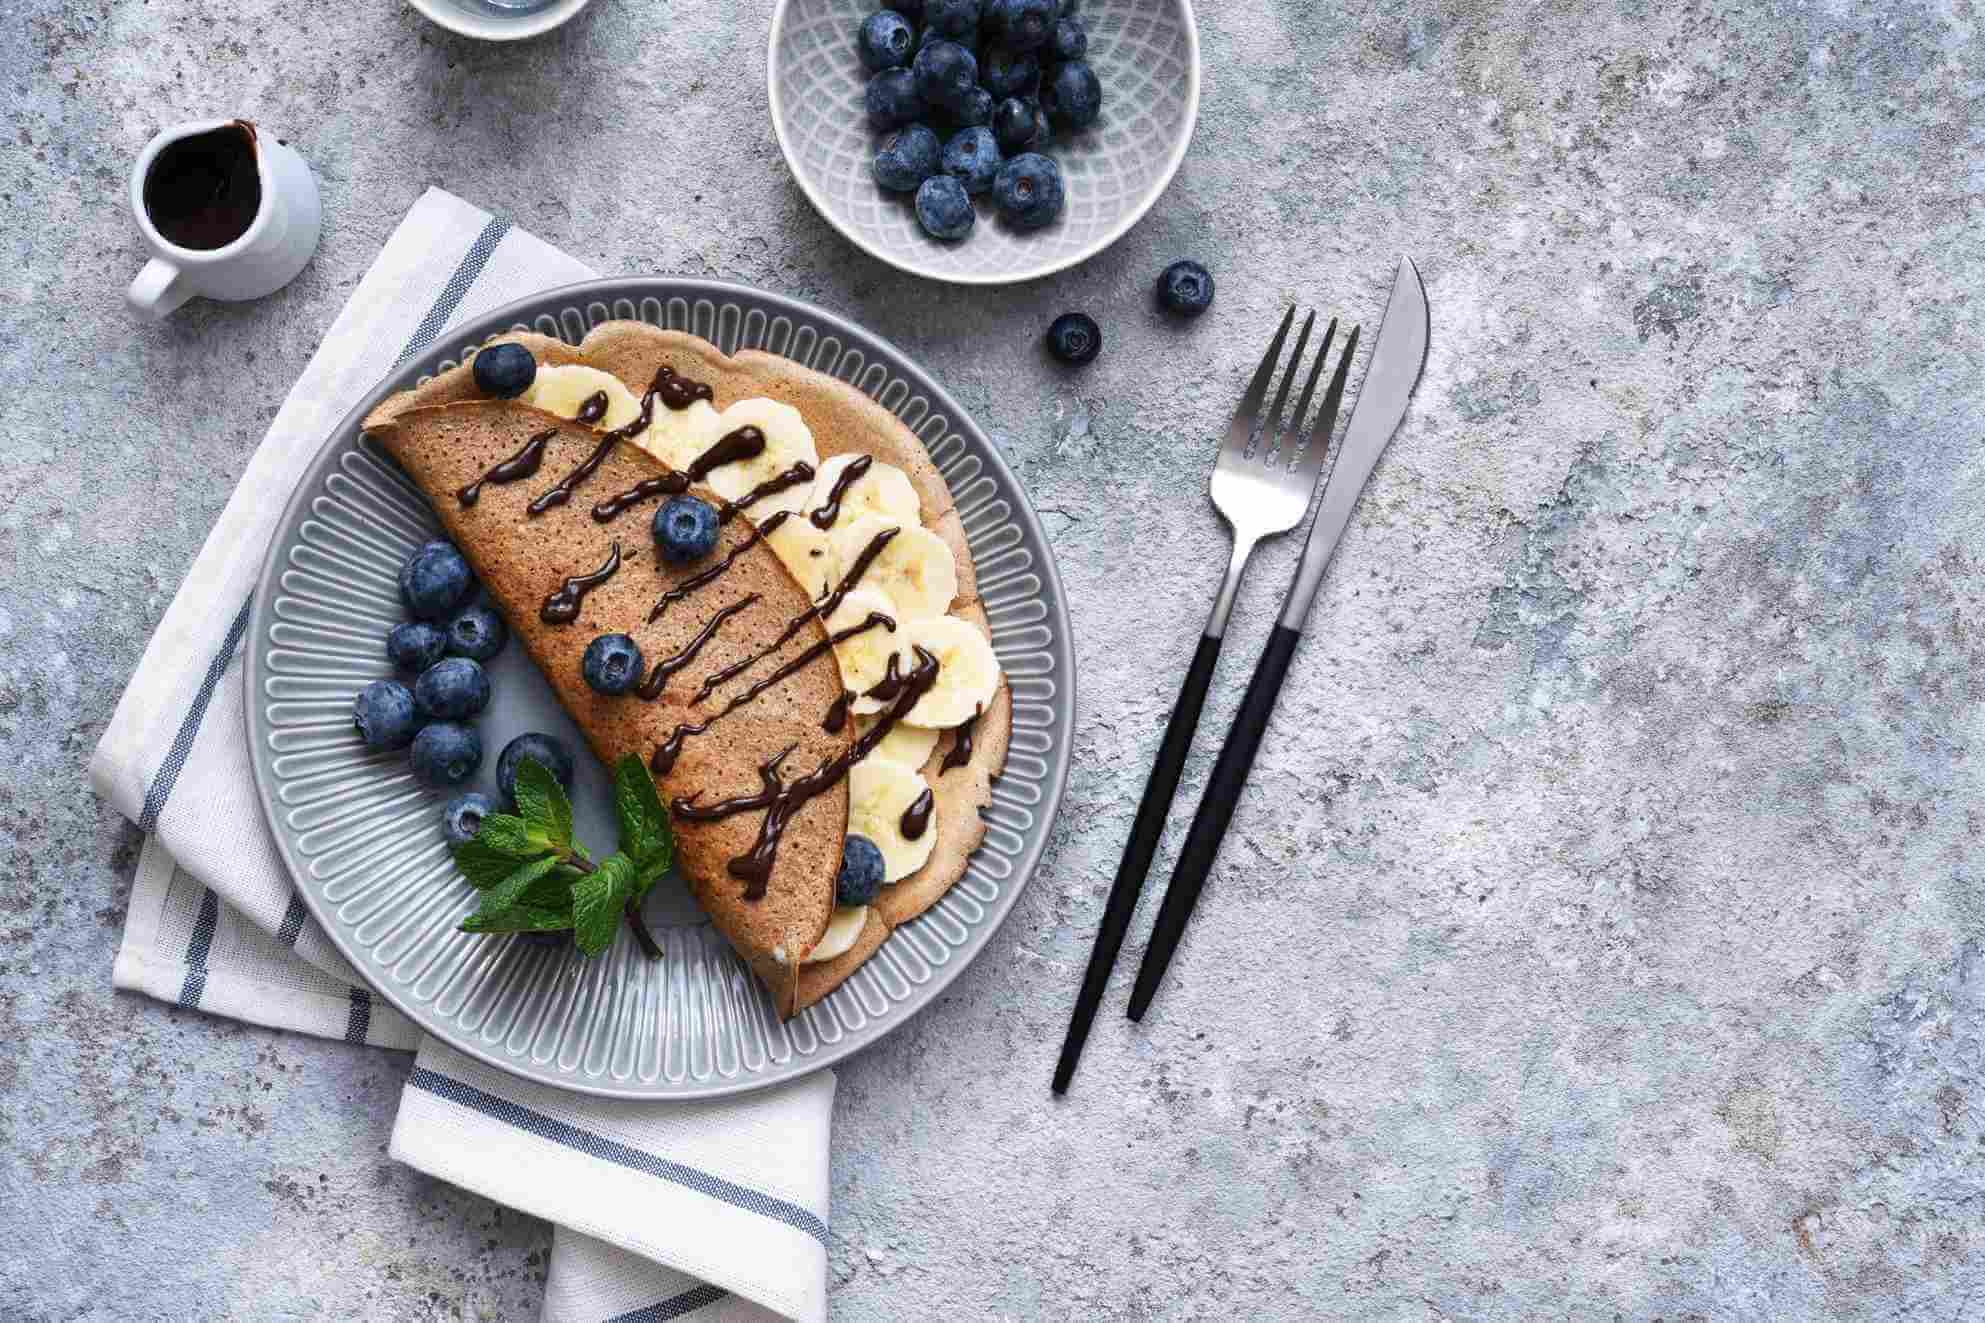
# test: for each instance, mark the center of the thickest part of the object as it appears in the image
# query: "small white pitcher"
(266, 257)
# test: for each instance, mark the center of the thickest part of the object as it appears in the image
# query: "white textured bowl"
(489, 22)
(1145, 52)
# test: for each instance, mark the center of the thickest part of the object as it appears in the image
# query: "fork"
(1261, 488)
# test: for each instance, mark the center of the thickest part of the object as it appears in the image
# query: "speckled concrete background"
(1599, 938)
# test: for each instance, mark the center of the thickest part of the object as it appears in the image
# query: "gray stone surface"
(1598, 938)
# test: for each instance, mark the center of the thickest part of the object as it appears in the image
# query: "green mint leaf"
(510, 891)
(542, 802)
(483, 864)
(597, 901)
(520, 919)
(509, 835)
(645, 836)
(554, 889)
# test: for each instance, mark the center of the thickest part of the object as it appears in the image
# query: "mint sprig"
(536, 878)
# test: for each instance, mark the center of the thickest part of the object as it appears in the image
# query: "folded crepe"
(743, 714)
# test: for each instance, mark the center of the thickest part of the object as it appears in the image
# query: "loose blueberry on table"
(1075, 338)
(540, 748)
(461, 817)
(612, 664)
(446, 753)
(944, 209)
(860, 879)
(685, 529)
(1186, 288)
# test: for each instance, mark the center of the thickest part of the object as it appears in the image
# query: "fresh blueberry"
(434, 581)
(1024, 25)
(1013, 125)
(860, 879)
(612, 664)
(952, 18)
(907, 158)
(446, 753)
(477, 632)
(415, 645)
(974, 110)
(1009, 73)
(685, 529)
(1027, 191)
(1074, 337)
(910, 9)
(944, 209)
(1043, 131)
(1186, 288)
(972, 158)
(946, 74)
(1066, 8)
(885, 41)
(1071, 40)
(1073, 98)
(505, 371)
(892, 98)
(384, 716)
(461, 817)
(452, 688)
(547, 752)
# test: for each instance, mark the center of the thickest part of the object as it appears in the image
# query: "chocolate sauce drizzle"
(782, 800)
(519, 466)
(916, 818)
(891, 683)
(744, 443)
(562, 606)
(658, 678)
(961, 745)
(830, 510)
(594, 409)
(678, 392)
(711, 575)
(837, 713)
(674, 484)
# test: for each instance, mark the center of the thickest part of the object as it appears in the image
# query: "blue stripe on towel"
(611, 1150)
(358, 1020)
(182, 743)
(457, 288)
(204, 925)
(293, 917)
(674, 1307)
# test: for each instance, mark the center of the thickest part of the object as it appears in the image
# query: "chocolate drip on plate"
(519, 466)
(562, 606)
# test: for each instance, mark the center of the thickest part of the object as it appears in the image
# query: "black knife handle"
(1144, 833)
(1216, 810)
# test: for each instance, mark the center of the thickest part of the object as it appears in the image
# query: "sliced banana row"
(864, 657)
(914, 570)
(883, 489)
(879, 790)
(564, 390)
(910, 745)
(967, 671)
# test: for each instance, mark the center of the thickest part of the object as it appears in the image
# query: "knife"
(1398, 357)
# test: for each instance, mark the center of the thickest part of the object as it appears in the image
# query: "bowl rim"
(1173, 160)
(445, 14)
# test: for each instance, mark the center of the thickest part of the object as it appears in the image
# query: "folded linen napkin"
(716, 1211)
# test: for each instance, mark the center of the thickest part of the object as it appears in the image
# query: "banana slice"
(915, 570)
(882, 489)
(909, 745)
(803, 550)
(878, 792)
(842, 930)
(677, 437)
(967, 671)
(563, 389)
(865, 657)
(788, 441)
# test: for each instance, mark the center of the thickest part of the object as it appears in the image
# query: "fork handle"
(1216, 810)
(1144, 833)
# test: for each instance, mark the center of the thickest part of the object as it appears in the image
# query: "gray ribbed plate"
(363, 841)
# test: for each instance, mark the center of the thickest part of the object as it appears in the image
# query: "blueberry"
(685, 529)
(415, 645)
(477, 632)
(1013, 125)
(860, 879)
(952, 18)
(885, 41)
(946, 74)
(505, 371)
(944, 209)
(461, 817)
(1186, 288)
(910, 9)
(451, 688)
(1027, 191)
(907, 158)
(384, 716)
(1043, 131)
(1071, 40)
(972, 158)
(1009, 73)
(1073, 98)
(434, 581)
(612, 664)
(1075, 338)
(446, 753)
(976, 109)
(1022, 24)
(892, 98)
(549, 753)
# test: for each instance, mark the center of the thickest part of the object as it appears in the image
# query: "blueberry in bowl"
(946, 74)
(1073, 98)
(907, 158)
(972, 158)
(1028, 191)
(952, 18)
(885, 41)
(1013, 125)
(976, 108)
(1006, 72)
(1071, 40)
(944, 209)
(892, 99)
(1023, 25)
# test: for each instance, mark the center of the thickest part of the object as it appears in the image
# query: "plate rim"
(606, 290)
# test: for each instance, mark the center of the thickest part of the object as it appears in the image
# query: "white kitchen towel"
(712, 1211)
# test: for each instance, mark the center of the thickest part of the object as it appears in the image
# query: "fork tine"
(1309, 387)
(1326, 417)
(1275, 424)
(1242, 426)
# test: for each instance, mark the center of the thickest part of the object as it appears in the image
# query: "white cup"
(266, 257)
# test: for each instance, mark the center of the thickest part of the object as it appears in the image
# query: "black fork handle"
(1216, 810)
(1144, 833)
